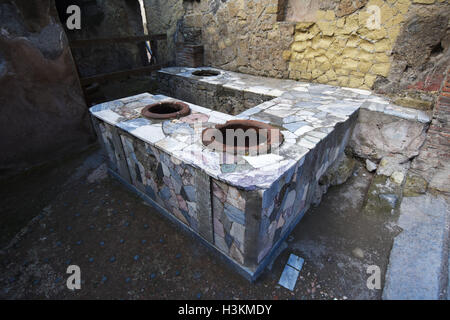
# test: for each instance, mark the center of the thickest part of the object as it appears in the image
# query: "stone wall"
(237, 35)
(433, 161)
(419, 56)
(377, 135)
(345, 47)
(326, 41)
(346, 50)
(43, 111)
(164, 16)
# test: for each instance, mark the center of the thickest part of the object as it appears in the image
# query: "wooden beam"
(120, 74)
(109, 41)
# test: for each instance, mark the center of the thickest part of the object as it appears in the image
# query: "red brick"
(444, 99)
(437, 143)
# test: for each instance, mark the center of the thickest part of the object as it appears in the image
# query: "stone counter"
(242, 208)
(233, 92)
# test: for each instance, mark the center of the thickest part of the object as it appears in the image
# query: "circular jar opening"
(242, 137)
(206, 73)
(166, 110)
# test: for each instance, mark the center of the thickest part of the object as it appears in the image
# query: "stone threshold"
(418, 265)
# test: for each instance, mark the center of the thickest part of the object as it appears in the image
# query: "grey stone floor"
(418, 267)
(126, 250)
(74, 213)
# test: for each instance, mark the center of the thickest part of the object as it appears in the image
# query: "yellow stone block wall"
(347, 51)
(248, 36)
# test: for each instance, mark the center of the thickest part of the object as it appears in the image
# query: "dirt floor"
(72, 214)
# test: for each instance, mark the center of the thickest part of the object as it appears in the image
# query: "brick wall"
(433, 160)
(440, 128)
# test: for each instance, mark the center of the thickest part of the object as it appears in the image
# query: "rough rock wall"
(419, 56)
(342, 44)
(295, 10)
(433, 161)
(404, 55)
(43, 110)
(164, 16)
(345, 47)
(327, 41)
(242, 36)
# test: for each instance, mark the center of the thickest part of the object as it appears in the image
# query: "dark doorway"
(110, 19)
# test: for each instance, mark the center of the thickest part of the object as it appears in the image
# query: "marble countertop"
(306, 114)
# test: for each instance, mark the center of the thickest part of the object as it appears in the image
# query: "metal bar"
(154, 48)
(119, 74)
(109, 41)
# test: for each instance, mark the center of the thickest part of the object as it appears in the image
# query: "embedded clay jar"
(206, 73)
(263, 142)
(166, 110)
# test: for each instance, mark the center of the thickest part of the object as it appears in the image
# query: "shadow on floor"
(126, 250)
